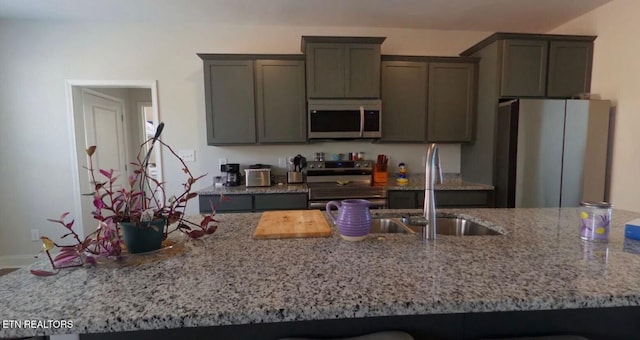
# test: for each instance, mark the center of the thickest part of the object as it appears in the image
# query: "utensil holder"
(294, 177)
(380, 174)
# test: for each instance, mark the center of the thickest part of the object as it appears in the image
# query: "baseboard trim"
(16, 261)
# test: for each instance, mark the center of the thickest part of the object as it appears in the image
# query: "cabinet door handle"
(361, 120)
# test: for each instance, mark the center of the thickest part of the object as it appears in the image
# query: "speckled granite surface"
(416, 182)
(242, 190)
(230, 278)
(451, 182)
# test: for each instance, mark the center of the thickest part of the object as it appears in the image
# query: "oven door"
(375, 203)
(344, 119)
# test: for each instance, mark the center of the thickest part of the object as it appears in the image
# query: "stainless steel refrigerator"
(551, 152)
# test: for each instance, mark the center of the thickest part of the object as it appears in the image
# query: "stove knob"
(311, 166)
(358, 165)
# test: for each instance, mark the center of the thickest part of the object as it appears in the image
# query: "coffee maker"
(233, 174)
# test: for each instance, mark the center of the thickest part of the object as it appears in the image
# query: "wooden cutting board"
(292, 223)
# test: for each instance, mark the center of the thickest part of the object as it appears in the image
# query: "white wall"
(36, 57)
(616, 76)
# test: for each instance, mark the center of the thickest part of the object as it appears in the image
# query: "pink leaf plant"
(142, 198)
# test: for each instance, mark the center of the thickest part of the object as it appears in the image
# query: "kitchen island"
(538, 278)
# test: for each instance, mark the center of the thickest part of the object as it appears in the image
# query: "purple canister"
(595, 221)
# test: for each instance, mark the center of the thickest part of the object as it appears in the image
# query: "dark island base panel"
(594, 324)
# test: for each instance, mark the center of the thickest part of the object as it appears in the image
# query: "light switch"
(187, 155)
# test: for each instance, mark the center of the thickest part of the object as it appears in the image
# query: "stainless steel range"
(338, 180)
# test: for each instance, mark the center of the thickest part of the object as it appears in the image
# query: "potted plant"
(139, 213)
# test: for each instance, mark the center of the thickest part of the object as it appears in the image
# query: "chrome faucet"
(433, 176)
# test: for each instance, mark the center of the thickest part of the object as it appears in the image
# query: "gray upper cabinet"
(569, 68)
(524, 68)
(280, 101)
(342, 67)
(325, 71)
(404, 101)
(362, 71)
(452, 102)
(428, 99)
(254, 99)
(229, 102)
(540, 65)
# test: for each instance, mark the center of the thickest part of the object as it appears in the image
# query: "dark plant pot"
(142, 237)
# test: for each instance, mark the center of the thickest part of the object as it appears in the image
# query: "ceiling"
(536, 16)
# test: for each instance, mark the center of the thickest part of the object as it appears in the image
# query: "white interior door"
(85, 134)
(103, 118)
(104, 127)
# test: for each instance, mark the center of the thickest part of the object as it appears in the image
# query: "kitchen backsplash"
(413, 155)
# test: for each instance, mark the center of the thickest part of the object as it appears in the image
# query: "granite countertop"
(416, 182)
(229, 278)
(243, 190)
(450, 182)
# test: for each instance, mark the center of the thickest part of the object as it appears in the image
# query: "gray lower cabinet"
(428, 99)
(402, 199)
(414, 199)
(248, 92)
(279, 202)
(250, 203)
(227, 203)
(452, 102)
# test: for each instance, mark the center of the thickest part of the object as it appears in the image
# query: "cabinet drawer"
(280, 202)
(443, 198)
(402, 199)
(232, 203)
(463, 198)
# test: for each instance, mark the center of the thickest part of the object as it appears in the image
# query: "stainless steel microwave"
(348, 118)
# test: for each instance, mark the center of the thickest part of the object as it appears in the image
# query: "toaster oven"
(257, 177)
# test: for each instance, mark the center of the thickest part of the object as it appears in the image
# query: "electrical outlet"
(187, 155)
(282, 162)
(35, 234)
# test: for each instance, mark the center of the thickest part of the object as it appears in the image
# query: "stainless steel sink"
(388, 226)
(449, 225)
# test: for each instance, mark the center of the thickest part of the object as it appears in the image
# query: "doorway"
(117, 117)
